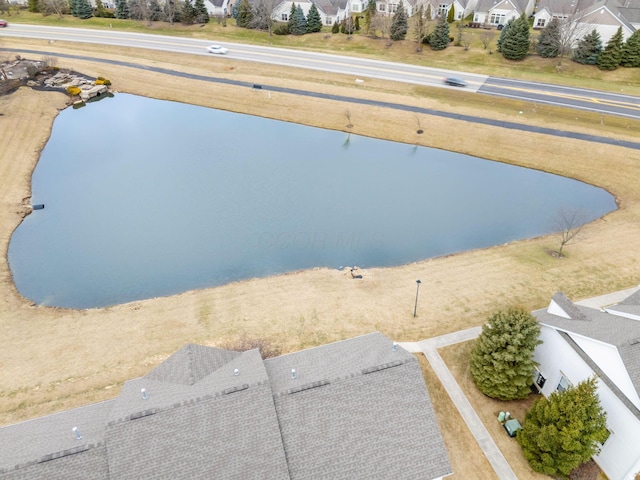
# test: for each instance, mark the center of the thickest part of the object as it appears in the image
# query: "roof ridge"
(186, 402)
(568, 307)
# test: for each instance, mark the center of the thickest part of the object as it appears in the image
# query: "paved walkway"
(481, 434)
(430, 347)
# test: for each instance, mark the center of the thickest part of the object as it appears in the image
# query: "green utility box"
(512, 426)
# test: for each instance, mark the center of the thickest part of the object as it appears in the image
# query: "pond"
(147, 198)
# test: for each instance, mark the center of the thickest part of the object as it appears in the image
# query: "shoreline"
(53, 359)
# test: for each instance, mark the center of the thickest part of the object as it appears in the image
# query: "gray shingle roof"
(623, 333)
(357, 409)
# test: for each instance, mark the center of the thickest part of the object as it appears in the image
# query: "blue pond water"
(147, 198)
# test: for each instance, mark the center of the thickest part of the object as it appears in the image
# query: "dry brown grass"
(52, 359)
(457, 359)
(467, 459)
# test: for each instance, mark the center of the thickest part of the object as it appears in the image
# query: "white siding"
(621, 453)
(608, 359)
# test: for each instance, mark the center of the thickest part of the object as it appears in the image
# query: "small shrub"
(244, 343)
(102, 81)
(281, 29)
(73, 91)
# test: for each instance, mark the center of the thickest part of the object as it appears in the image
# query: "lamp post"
(415, 308)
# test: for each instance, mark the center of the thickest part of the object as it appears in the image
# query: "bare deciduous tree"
(263, 15)
(486, 37)
(568, 224)
(52, 7)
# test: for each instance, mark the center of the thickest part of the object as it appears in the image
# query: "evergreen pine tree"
(314, 21)
(188, 13)
(548, 45)
(399, 24)
(299, 25)
(122, 9)
(588, 49)
(451, 14)
(356, 24)
(609, 58)
(202, 15)
(501, 361)
(564, 431)
(245, 14)
(73, 8)
(630, 56)
(292, 14)
(234, 9)
(33, 6)
(439, 39)
(83, 9)
(515, 44)
(369, 13)
(503, 34)
(335, 28)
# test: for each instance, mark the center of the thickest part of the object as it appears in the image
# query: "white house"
(580, 342)
(546, 10)
(499, 12)
(606, 16)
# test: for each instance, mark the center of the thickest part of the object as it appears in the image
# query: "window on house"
(382, 7)
(459, 15)
(476, 18)
(497, 19)
(563, 384)
(355, 7)
(328, 21)
(443, 9)
(539, 379)
(540, 23)
(285, 17)
(393, 7)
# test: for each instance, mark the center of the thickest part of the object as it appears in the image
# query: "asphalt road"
(618, 104)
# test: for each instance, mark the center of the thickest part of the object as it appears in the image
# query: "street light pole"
(415, 308)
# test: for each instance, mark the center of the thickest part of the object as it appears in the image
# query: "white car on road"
(217, 49)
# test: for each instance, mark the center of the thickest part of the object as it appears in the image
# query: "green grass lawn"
(475, 58)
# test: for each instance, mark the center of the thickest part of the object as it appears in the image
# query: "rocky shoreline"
(39, 75)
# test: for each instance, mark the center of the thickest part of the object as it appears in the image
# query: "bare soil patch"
(53, 359)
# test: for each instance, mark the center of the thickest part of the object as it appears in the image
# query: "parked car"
(217, 49)
(3, 23)
(455, 82)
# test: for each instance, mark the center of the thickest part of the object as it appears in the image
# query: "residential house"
(218, 8)
(547, 10)
(580, 342)
(461, 8)
(606, 16)
(331, 11)
(499, 12)
(355, 409)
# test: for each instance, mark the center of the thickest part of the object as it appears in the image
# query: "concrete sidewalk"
(481, 434)
(430, 347)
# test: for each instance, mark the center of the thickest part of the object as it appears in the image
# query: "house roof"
(331, 7)
(356, 409)
(594, 13)
(338, 389)
(623, 333)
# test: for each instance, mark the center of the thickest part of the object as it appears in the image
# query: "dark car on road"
(455, 82)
